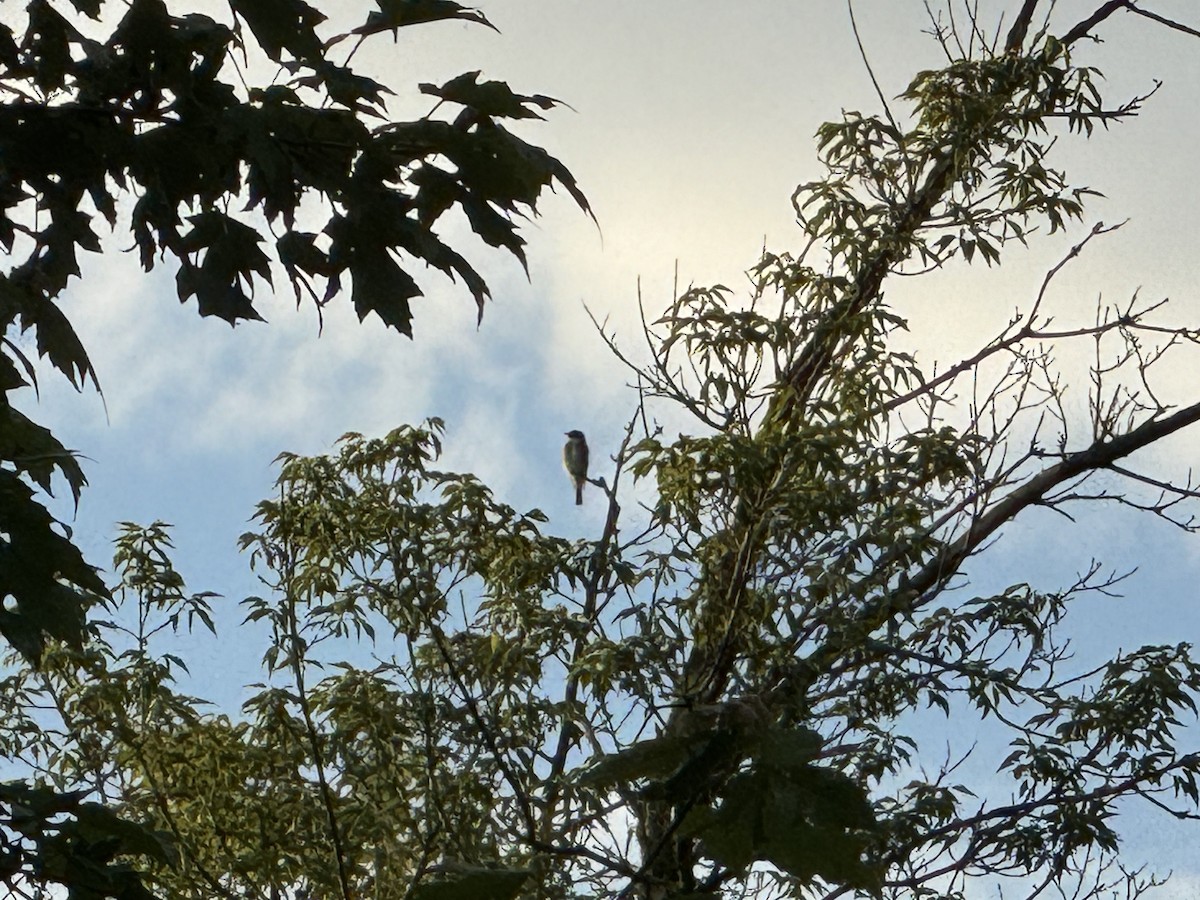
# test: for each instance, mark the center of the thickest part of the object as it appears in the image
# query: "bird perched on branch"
(575, 461)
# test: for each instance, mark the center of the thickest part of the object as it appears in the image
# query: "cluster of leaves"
(154, 113)
(162, 125)
(753, 791)
(79, 846)
(831, 505)
(368, 543)
(979, 153)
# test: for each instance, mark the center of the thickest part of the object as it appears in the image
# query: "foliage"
(218, 146)
(722, 696)
(77, 852)
(159, 130)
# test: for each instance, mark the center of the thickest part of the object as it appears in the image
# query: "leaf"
(90, 8)
(508, 171)
(10, 54)
(789, 750)
(495, 229)
(733, 833)
(807, 852)
(44, 574)
(380, 286)
(231, 259)
(810, 821)
(97, 822)
(300, 256)
(437, 191)
(35, 452)
(422, 243)
(31, 803)
(491, 98)
(289, 148)
(346, 87)
(47, 40)
(10, 378)
(378, 223)
(475, 883)
(653, 759)
(75, 845)
(280, 25)
(396, 14)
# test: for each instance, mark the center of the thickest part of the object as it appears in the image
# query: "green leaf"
(808, 852)
(788, 750)
(653, 759)
(475, 883)
(810, 821)
(75, 845)
(97, 822)
(733, 834)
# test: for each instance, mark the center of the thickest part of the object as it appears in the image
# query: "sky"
(692, 122)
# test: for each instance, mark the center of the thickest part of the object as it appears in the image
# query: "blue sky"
(693, 123)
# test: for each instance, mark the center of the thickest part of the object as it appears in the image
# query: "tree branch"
(310, 728)
(1163, 20)
(1082, 28)
(1098, 456)
(1020, 27)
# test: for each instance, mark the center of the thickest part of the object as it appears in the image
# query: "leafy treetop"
(159, 126)
(159, 123)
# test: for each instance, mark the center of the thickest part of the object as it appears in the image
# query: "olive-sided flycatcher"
(575, 461)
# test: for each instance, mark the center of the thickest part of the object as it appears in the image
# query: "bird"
(575, 461)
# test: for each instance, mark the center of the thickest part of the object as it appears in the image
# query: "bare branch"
(1020, 27)
(1163, 20)
(1082, 28)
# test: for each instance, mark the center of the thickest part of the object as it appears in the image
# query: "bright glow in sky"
(693, 124)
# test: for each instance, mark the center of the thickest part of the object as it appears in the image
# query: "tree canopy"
(174, 130)
(721, 693)
(242, 153)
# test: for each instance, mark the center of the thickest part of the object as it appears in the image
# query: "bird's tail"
(579, 493)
